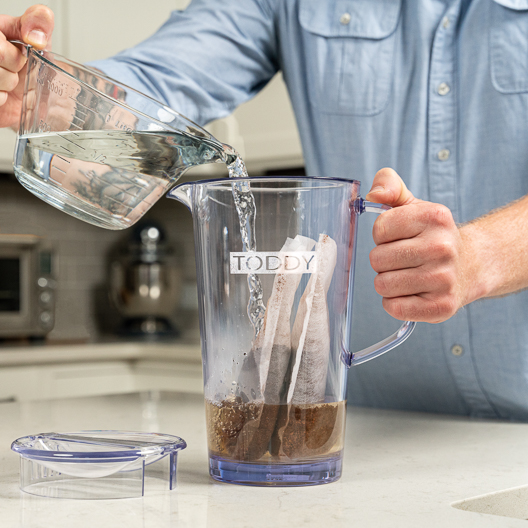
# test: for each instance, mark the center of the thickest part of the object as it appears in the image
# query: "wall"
(82, 310)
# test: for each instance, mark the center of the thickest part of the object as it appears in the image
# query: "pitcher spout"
(182, 193)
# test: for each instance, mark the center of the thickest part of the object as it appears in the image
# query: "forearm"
(495, 252)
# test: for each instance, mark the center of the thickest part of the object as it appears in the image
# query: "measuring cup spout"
(182, 193)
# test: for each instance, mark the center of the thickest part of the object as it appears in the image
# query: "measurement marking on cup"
(63, 159)
(80, 120)
(57, 168)
(120, 203)
(83, 105)
(134, 188)
(68, 139)
(132, 195)
(56, 182)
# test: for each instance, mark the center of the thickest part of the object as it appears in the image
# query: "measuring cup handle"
(27, 46)
(405, 330)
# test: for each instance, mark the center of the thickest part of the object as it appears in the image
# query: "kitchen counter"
(45, 354)
(37, 372)
(401, 469)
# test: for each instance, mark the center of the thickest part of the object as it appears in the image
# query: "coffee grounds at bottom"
(259, 432)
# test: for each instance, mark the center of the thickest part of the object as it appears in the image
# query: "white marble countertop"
(401, 470)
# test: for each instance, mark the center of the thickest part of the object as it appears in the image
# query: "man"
(436, 89)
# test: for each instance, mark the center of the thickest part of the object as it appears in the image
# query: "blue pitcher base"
(304, 474)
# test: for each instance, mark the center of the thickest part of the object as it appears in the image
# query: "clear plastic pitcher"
(275, 378)
(98, 149)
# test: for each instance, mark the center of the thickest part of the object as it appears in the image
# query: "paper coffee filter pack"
(270, 357)
(264, 368)
(274, 340)
(311, 330)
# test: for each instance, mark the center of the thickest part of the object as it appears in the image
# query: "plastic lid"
(95, 464)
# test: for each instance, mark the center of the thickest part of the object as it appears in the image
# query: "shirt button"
(345, 19)
(457, 350)
(443, 88)
(446, 22)
(443, 154)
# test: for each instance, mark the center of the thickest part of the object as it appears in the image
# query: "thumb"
(388, 188)
(34, 27)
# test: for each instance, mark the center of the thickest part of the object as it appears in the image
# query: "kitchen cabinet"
(71, 371)
(263, 130)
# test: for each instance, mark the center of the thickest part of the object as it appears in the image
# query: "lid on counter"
(95, 464)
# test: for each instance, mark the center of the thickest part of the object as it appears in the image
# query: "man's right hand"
(34, 27)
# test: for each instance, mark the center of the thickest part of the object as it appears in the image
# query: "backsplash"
(83, 310)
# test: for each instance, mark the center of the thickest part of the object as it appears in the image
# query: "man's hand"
(420, 256)
(34, 27)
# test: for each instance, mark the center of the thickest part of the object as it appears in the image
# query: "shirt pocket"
(509, 45)
(349, 50)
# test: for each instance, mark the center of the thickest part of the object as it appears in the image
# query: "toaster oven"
(27, 287)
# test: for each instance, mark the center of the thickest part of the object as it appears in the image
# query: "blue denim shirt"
(436, 89)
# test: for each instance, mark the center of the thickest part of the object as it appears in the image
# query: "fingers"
(8, 80)
(11, 62)
(390, 189)
(11, 57)
(421, 308)
(413, 253)
(410, 221)
(10, 27)
(402, 283)
(397, 255)
(36, 26)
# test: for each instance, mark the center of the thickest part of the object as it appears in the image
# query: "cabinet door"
(17, 8)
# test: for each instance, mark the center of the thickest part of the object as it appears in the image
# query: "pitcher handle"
(405, 330)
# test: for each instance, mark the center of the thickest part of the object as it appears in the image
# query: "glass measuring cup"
(98, 149)
(276, 403)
